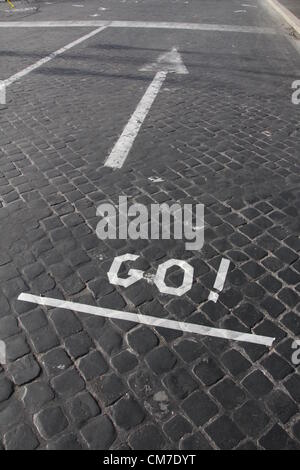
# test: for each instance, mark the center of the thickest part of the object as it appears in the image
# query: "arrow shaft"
(123, 146)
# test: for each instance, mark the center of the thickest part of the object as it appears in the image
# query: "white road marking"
(53, 55)
(170, 62)
(122, 148)
(3, 358)
(220, 280)
(148, 320)
(166, 63)
(22, 10)
(2, 93)
(286, 14)
(138, 24)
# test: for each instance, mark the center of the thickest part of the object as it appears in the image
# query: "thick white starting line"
(148, 320)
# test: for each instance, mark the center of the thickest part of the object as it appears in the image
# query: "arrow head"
(170, 62)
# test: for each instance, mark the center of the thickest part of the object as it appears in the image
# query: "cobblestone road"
(227, 136)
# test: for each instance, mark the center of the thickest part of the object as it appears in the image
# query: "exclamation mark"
(2, 93)
(220, 280)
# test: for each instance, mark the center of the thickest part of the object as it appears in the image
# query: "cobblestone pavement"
(226, 135)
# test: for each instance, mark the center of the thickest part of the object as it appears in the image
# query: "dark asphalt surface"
(227, 136)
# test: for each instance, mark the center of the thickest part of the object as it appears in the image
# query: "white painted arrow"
(171, 62)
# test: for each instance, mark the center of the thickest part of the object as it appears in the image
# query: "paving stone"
(78, 345)
(293, 387)
(34, 320)
(138, 294)
(50, 422)
(235, 362)
(292, 322)
(11, 415)
(277, 366)
(273, 306)
(99, 433)
(195, 442)
(248, 445)
(228, 394)
(36, 395)
(110, 340)
(68, 383)
(92, 366)
(199, 408)
(56, 361)
(248, 314)
(180, 309)
(278, 439)
(65, 442)
(289, 297)
(124, 362)
(189, 350)
(258, 384)
(108, 388)
(296, 430)
(208, 371)
(225, 433)
(82, 407)
(177, 427)
(21, 438)
(251, 419)
(180, 383)
(142, 340)
(161, 360)
(127, 413)
(65, 322)
(147, 438)
(24, 370)
(16, 347)
(8, 327)
(44, 339)
(6, 388)
(281, 405)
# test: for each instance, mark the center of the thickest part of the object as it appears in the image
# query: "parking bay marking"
(170, 62)
(53, 55)
(148, 320)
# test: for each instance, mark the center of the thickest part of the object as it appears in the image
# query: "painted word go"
(135, 275)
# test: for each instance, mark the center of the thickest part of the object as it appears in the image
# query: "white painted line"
(222, 273)
(122, 148)
(220, 279)
(286, 14)
(138, 24)
(53, 24)
(2, 93)
(166, 63)
(148, 320)
(53, 55)
(3, 359)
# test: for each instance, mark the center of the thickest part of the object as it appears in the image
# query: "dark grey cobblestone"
(225, 136)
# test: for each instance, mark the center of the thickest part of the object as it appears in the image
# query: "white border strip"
(148, 320)
(288, 16)
(138, 24)
(53, 55)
